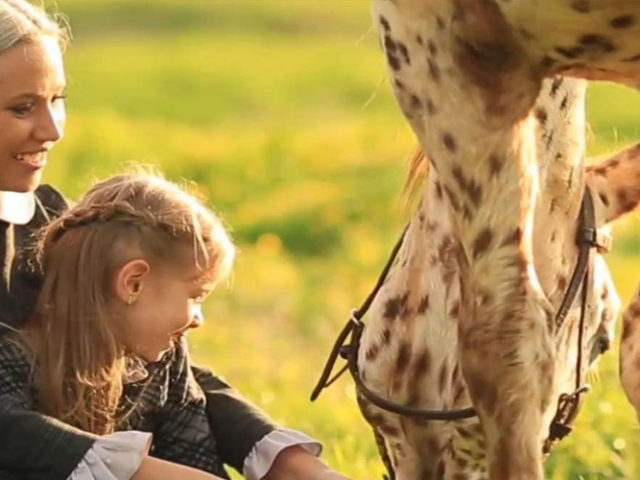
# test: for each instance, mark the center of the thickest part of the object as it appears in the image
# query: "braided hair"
(125, 217)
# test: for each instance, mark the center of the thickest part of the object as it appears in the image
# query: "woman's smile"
(34, 160)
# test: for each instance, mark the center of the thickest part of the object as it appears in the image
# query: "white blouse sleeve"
(113, 457)
(265, 451)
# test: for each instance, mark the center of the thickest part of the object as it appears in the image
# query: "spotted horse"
(466, 318)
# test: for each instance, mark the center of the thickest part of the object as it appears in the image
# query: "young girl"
(126, 271)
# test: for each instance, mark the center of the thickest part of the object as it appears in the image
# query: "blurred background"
(280, 111)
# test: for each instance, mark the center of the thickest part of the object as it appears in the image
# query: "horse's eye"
(604, 343)
(600, 345)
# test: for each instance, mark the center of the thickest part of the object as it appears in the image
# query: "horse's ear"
(615, 184)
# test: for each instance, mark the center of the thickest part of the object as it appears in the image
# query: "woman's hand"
(295, 463)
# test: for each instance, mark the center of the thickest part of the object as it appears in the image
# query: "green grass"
(280, 111)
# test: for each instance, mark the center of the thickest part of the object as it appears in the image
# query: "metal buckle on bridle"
(593, 237)
(561, 425)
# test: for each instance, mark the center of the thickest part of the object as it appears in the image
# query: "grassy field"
(280, 111)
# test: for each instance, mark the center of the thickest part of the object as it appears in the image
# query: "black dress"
(36, 447)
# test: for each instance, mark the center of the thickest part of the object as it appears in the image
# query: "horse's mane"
(416, 176)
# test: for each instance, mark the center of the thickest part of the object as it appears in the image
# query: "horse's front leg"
(507, 358)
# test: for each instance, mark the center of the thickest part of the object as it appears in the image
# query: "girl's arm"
(295, 463)
(156, 469)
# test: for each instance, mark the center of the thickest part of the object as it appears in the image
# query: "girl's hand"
(295, 463)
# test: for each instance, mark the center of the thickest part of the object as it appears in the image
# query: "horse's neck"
(560, 113)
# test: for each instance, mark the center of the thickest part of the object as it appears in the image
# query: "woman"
(32, 117)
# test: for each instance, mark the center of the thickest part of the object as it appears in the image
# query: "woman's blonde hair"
(141, 215)
(21, 21)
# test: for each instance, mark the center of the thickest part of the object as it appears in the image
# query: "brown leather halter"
(587, 237)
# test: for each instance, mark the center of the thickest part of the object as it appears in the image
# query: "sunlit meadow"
(280, 112)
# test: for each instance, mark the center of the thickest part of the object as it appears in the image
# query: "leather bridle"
(587, 238)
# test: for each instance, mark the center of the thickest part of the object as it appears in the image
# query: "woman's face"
(32, 113)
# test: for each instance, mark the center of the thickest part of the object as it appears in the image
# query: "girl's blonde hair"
(81, 363)
(21, 21)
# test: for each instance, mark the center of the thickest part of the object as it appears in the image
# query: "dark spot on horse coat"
(598, 43)
(421, 367)
(432, 47)
(625, 203)
(439, 190)
(541, 115)
(555, 85)
(482, 242)
(402, 360)
(562, 283)
(415, 102)
(396, 306)
(424, 304)
(495, 165)
(434, 70)
(385, 24)
(372, 353)
(393, 61)
(389, 430)
(469, 186)
(582, 6)
(449, 142)
(623, 21)
(405, 53)
(563, 104)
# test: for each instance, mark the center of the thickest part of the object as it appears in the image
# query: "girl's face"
(32, 113)
(168, 304)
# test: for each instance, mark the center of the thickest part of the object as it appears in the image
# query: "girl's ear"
(130, 280)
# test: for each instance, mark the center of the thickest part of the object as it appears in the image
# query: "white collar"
(17, 207)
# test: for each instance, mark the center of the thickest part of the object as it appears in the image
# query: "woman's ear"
(130, 280)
